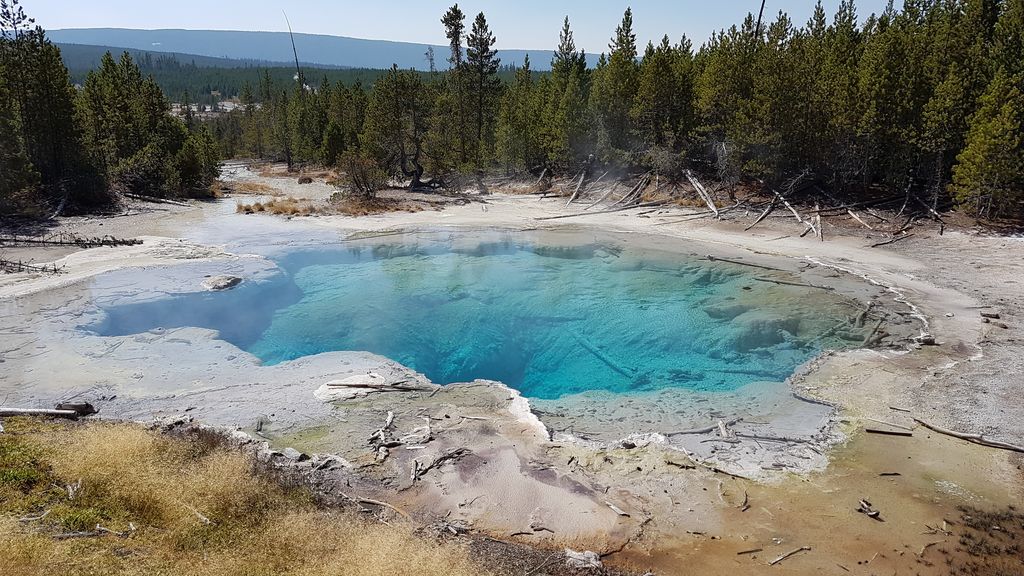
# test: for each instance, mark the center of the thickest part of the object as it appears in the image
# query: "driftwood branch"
(975, 438)
(788, 554)
(69, 414)
(703, 193)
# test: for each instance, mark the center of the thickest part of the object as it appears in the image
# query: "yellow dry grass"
(289, 206)
(252, 188)
(165, 488)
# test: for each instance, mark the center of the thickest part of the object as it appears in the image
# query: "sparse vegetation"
(289, 206)
(154, 493)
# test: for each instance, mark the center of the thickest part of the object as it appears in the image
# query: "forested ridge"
(926, 100)
(67, 149)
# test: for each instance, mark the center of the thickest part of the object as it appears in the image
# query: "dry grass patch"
(257, 188)
(289, 206)
(359, 206)
(196, 509)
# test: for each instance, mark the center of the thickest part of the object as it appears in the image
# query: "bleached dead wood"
(69, 414)
(705, 430)
(788, 554)
(373, 502)
(450, 456)
(583, 176)
(154, 199)
(871, 335)
(796, 214)
(602, 198)
(702, 192)
(635, 191)
(892, 240)
(767, 211)
(609, 211)
(616, 509)
(817, 218)
(975, 438)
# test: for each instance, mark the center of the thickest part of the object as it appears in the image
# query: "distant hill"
(315, 49)
(87, 57)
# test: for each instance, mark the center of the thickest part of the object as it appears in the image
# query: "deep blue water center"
(545, 319)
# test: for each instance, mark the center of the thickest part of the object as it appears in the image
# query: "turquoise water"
(548, 320)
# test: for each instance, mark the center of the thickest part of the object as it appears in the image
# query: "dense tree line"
(926, 98)
(63, 147)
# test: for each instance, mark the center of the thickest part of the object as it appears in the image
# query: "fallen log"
(705, 430)
(892, 240)
(583, 176)
(601, 199)
(796, 214)
(69, 414)
(154, 200)
(13, 267)
(888, 432)
(974, 438)
(767, 211)
(702, 192)
(609, 211)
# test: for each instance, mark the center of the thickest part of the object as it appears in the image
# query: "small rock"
(628, 445)
(217, 283)
(305, 180)
(926, 340)
(990, 315)
(582, 560)
(293, 454)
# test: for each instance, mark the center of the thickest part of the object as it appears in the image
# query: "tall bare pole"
(298, 71)
(757, 29)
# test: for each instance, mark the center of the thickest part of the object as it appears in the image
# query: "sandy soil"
(646, 506)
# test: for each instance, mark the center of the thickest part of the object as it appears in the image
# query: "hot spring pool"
(548, 317)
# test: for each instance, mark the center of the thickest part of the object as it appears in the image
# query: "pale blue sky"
(527, 24)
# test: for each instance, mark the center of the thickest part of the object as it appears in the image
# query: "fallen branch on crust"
(12, 267)
(974, 438)
(154, 199)
(372, 502)
(69, 414)
(891, 240)
(705, 430)
(609, 211)
(788, 554)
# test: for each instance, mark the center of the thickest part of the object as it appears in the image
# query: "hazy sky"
(528, 24)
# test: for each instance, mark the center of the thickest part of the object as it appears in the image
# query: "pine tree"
(17, 178)
(655, 113)
(482, 62)
(989, 175)
(614, 88)
(516, 131)
(395, 129)
(454, 27)
(1008, 38)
